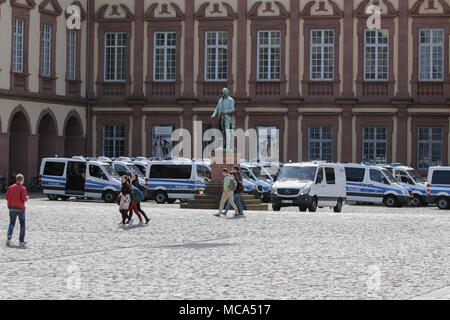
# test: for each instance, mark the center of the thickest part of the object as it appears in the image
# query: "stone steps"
(212, 202)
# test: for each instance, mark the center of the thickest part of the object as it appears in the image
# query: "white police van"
(438, 187)
(374, 184)
(309, 185)
(257, 175)
(411, 179)
(169, 180)
(78, 177)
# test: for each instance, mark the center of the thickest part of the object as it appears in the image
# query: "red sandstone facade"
(403, 105)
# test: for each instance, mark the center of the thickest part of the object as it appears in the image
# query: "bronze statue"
(225, 110)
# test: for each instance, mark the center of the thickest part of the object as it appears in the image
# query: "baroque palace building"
(138, 69)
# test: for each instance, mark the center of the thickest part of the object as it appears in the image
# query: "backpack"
(233, 184)
(240, 187)
(138, 195)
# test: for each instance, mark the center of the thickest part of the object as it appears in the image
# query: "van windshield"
(259, 173)
(111, 171)
(416, 176)
(135, 170)
(297, 173)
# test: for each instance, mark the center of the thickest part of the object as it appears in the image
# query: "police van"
(259, 177)
(169, 180)
(78, 177)
(127, 168)
(438, 187)
(309, 185)
(411, 179)
(374, 184)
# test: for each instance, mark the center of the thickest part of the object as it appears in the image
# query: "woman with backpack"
(237, 194)
(139, 196)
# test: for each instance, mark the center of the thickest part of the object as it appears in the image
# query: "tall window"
(216, 56)
(46, 49)
(71, 54)
(165, 56)
(115, 56)
(322, 55)
(376, 61)
(113, 140)
(320, 143)
(269, 55)
(429, 147)
(18, 45)
(374, 145)
(431, 55)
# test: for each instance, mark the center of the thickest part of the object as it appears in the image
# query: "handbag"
(125, 202)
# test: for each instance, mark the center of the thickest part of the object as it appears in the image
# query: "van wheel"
(391, 201)
(109, 197)
(302, 208)
(443, 203)
(313, 205)
(64, 198)
(417, 201)
(52, 197)
(276, 207)
(338, 207)
(161, 197)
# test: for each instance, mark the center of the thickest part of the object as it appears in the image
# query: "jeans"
(237, 200)
(13, 213)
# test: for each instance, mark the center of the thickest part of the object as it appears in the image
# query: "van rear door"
(53, 181)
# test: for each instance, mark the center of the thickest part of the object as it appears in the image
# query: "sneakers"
(8, 242)
(130, 222)
(141, 223)
(224, 213)
(148, 220)
(216, 215)
(23, 245)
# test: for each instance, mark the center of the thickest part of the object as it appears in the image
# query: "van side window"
(54, 169)
(441, 177)
(122, 170)
(96, 172)
(377, 176)
(170, 171)
(330, 176)
(355, 174)
(319, 178)
(203, 172)
(403, 177)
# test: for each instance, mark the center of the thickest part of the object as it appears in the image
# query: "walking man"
(237, 194)
(229, 185)
(16, 196)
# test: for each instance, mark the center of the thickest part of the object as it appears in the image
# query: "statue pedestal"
(219, 161)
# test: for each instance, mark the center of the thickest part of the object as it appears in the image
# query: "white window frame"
(322, 45)
(432, 47)
(322, 141)
(374, 141)
(376, 45)
(18, 45)
(115, 139)
(216, 47)
(269, 57)
(71, 54)
(430, 143)
(116, 48)
(165, 47)
(46, 47)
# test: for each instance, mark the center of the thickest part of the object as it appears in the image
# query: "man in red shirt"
(16, 197)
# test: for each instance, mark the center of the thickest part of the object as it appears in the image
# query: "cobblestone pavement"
(77, 251)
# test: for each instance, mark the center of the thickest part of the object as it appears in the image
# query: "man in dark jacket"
(16, 196)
